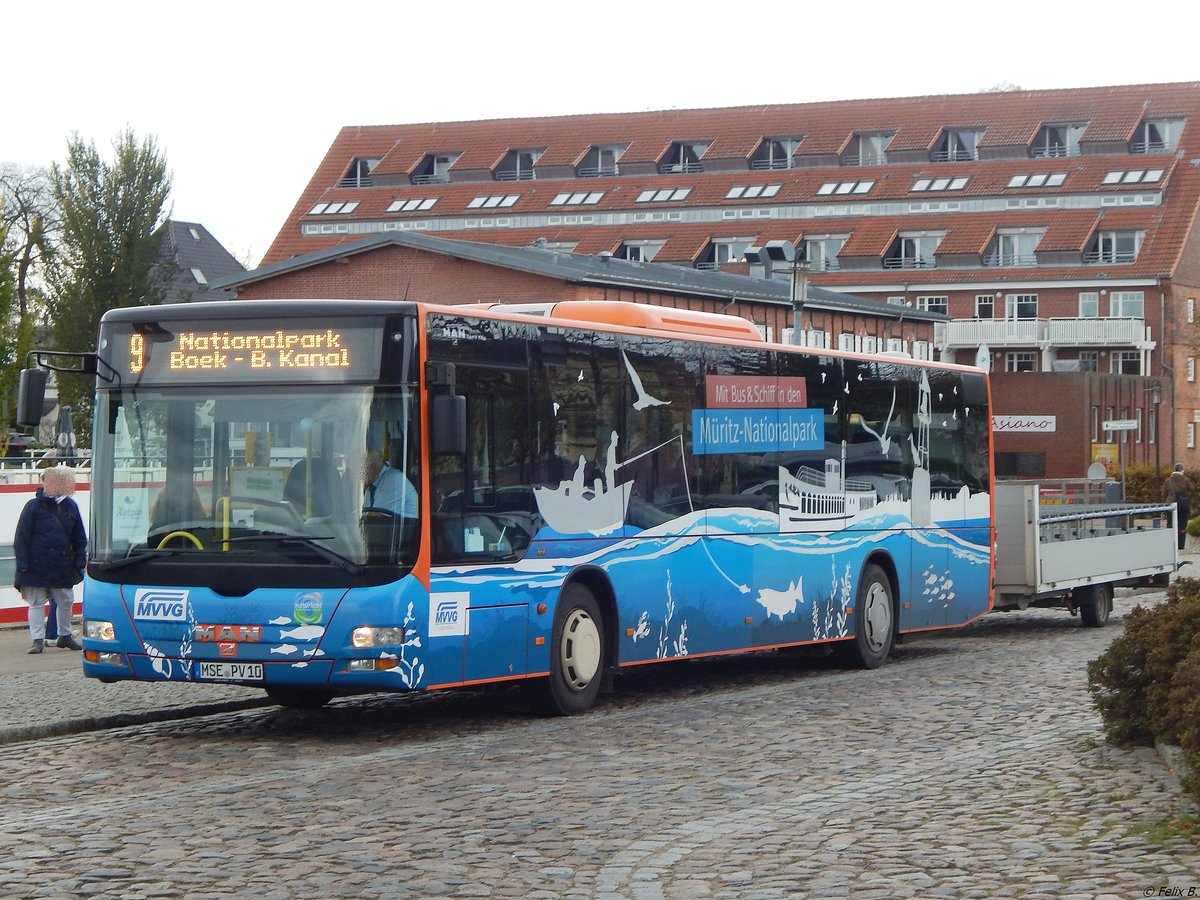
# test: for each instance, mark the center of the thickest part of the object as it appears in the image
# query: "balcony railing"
(1054, 332)
(432, 178)
(959, 155)
(897, 262)
(355, 181)
(1010, 260)
(760, 164)
(1149, 147)
(597, 171)
(865, 159)
(1053, 151)
(1101, 257)
(515, 175)
(680, 168)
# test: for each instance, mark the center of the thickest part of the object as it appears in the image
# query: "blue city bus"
(572, 488)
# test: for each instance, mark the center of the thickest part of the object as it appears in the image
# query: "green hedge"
(1146, 685)
(1141, 486)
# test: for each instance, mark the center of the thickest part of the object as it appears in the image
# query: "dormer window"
(1156, 136)
(359, 173)
(1056, 140)
(1113, 247)
(723, 250)
(1014, 248)
(517, 165)
(820, 252)
(434, 168)
(600, 160)
(912, 251)
(774, 153)
(682, 157)
(867, 150)
(957, 145)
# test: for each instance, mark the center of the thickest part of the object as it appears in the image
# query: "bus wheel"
(1096, 606)
(576, 656)
(874, 622)
(298, 697)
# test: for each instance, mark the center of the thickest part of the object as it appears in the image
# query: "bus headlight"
(374, 636)
(100, 631)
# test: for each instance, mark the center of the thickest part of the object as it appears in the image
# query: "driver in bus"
(387, 487)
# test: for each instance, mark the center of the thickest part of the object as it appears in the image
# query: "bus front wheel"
(577, 653)
(874, 622)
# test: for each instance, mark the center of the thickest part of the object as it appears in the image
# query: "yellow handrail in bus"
(223, 505)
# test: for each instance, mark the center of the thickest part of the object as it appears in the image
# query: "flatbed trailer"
(1060, 544)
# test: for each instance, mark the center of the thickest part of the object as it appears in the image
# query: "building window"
(1156, 136)
(359, 173)
(846, 341)
(1017, 248)
(821, 253)
(1191, 310)
(1038, 180)
(774, 153)
(601, 159)
(682, 157)
(1113, 247)
(912, 252)
(1056, 140)
(1133, 176)
(921, 350)
(1089, 360)
(517, 165)
(1020, 361)
(1153, 425)
(413, 204)
(1191, 366)
(663, 196)
(199, 276)
(1095, 424)
(1126, 304)
(434, 168)
(844, 187)
(639, 251)
(956, 145)
(1089, 304)
(578, 198)
(867, 150)
(494, 201)
(1125, 362)
(332, 209)
(1191, 436)
(940, 184)
(937, 304)
(752, 191)
(723, 250)
(1021, 306)
(985, 306)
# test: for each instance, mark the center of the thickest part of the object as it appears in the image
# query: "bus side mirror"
(448, 424)
(31, 396)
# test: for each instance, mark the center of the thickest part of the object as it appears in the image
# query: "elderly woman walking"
(50, 548)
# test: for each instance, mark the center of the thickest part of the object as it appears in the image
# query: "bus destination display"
(311, 353)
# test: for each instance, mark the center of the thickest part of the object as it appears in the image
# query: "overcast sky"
(245, 97)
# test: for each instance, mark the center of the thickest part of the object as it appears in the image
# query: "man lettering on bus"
(387, 488)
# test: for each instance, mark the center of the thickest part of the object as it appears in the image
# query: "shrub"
(1146, 685)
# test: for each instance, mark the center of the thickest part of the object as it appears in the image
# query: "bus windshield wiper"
(143, 557)
(309, 541)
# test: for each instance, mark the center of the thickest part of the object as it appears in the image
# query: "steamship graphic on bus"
(810, 500)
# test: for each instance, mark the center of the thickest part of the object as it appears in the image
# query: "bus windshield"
(232, 477)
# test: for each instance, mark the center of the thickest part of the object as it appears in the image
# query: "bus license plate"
(229, 671)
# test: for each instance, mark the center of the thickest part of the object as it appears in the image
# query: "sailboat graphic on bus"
(575, 507)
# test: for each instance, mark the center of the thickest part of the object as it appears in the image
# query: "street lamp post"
(1156, 399)
(799, 298)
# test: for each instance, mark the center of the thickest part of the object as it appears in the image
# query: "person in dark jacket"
(1178, 488)
(50, 547)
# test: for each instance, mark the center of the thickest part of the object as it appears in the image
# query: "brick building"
(1057, 229)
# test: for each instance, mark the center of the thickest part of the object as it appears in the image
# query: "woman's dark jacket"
(50, 543)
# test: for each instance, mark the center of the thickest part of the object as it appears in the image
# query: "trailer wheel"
(1096, 605)
(577, 655)
(874, 622)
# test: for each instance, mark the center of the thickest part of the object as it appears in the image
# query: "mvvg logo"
(160, 604)
(448, 614)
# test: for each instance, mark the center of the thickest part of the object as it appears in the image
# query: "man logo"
(160, 605)
(449, 614)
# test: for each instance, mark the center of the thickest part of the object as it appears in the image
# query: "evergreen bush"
(1146, 685)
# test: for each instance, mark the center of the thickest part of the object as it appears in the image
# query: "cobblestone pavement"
(972, 765)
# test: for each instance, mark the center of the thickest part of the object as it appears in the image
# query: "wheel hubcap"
(877, 617)
(580, 650)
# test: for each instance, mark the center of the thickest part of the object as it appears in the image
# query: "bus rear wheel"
(298, 697)
(577, 654)
(874, 622)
